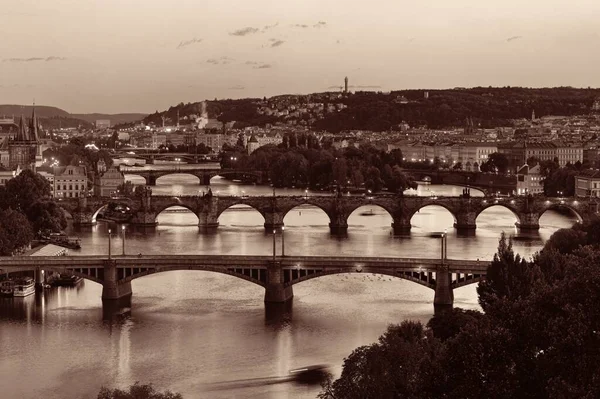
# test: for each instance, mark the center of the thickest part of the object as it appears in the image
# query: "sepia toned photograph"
(327, 199)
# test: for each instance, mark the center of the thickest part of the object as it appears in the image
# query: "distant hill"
(114, 118)
(42, 111)
(50, 116)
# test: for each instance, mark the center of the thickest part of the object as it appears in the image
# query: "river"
(192, 331)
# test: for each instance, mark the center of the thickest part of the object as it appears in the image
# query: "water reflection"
(188, 329)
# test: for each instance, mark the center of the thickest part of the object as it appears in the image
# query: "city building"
(70, 181)
(108, 183)
(529, 180)
(6, 175)
(102, 123)
(587, 183)
(4, 153)
(23, 150)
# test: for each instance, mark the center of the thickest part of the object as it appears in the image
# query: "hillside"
(487, 106)
(114, 118)
(42, 111)
(53, 117)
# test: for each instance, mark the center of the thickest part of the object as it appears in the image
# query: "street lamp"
(274, 254)
(282, 241)
(305, 193)
(123, 233)
(109, 237)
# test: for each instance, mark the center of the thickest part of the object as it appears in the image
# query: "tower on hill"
(346, 85)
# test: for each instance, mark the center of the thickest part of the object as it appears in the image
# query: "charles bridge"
(144, 209)
(276, 274)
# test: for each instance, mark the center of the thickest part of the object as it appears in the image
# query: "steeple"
(22, 133)
(33, 126)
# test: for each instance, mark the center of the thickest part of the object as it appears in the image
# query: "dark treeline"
(26, 211)
(301, 161)
(489, 107)
(538, 337)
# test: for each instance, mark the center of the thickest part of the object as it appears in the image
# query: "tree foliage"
(538, 337)
(137, 391)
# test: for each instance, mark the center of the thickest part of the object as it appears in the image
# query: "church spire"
(33, 126)
(22, 134)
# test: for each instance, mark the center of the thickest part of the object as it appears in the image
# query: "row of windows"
(64, 187)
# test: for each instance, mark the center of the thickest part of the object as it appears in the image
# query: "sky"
(144, 55)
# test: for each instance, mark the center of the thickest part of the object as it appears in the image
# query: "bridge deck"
(253, 261)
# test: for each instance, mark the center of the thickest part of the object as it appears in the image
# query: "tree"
(15, 232)
(508, 276)
(458, 166)
(340, 172)
(126, 189)
(25, 189)
(137, 391)
(46, 216)
(496, 163)
(399, 182)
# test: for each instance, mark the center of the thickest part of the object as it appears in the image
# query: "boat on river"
(63, 240)
(24, 287)
(7, 288)
(367, 213)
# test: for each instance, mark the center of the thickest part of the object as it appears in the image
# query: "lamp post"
(444, 254)
(282, 241)
(274, 254)
(109, 237)
(123, 229)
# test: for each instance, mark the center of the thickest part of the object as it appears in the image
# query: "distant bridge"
(465, 210)
(204, 172)
(151, 157)
(277, 274)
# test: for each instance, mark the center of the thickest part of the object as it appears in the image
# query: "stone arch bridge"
(144, 210)
(202, 172)
(276, 275)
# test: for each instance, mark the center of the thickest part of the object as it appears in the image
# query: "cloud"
(245, 31)
(510, 39)
(251, 63)
(186, 43)
(34, 59)
(267, 27)
(220, 61)
(277, 43)
(237, 87)
(263, 66)
(335, 87)
(320, 24)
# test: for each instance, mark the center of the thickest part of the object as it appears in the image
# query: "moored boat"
(24, 287)
(7, 288)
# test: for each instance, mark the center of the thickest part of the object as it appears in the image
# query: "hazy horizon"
(140, 56)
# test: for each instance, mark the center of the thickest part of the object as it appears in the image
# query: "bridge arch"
(422, 214)
(562, 207)
(179, 173)
(134, 174)
(502, 204)
(293, 276)
(243, 202)
(294, 214)
(255, 276)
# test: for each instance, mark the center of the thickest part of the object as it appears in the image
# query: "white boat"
(24, 287)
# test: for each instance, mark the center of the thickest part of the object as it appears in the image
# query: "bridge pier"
(207, 220)
(114, 291)
(275, 289)
(529, 221)
(444, 294)
(338, 224)
(401, 226)
(273, 221)
(205, 179)
(39, 278)
(151, 180)
(465, 221)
